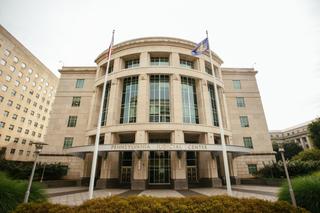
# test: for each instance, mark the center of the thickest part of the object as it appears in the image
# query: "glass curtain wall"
(105, 105)
(213, 105)
(189, 100)
(129, 100)
(159, 98)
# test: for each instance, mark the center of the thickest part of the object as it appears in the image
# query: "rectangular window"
(12, 151)
(23, 141)
(244, 121)
(9, 103)
(76, 101)
(5, 113)
(7, 138)
(72, 121)
(215, 117)
(129, 100)
(1, 98)
(159, 110)
(252, 168)
(159, 61)
(79, 83)
(67, 142)
(208, 70)
(240, 102)
(11, 127)
(236, 84)
(247, 141)
(132, 63)
(16, 140)
(28, 153)
(2, 124)
(105, 105)
(189, 100)
(20, 152)
(186, 64)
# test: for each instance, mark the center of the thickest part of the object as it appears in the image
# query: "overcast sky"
(282, 37)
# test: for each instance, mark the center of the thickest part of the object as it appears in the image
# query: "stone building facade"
(27, 90)
(160, 126)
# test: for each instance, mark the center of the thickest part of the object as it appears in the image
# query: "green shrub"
(295, 168)
(307, 155)
(22, 170)
(12, 193)
(145, 204)
(306, 190)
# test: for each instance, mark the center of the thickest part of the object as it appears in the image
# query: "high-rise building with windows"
(160, 123)
(27, 90)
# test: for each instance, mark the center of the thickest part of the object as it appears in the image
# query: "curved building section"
(158, 95)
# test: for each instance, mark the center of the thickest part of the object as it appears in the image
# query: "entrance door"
(159, 168)
(125, 168)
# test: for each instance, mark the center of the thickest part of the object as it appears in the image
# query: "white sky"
(281, 37)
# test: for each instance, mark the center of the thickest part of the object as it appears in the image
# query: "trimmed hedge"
(295, 168)
(12, 193)
(144, 204)
(306, 190)
(22, 170)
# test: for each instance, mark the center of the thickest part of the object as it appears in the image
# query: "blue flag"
(201, 47)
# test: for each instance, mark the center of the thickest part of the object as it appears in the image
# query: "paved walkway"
(77, 195)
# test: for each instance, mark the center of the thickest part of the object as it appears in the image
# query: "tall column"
(178, 163)
(144, 59)
(143, 100)
(115, 102)
(109, 175)
(176, 102)
(140, 164)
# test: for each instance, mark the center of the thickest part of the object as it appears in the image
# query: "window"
(37, 96)
(2, 124)
(24, 88)
(14, 116)
(132, 63)
(159, 61)
(22, 119)
(247, 141)
(28, 100)
(15, 59)
(105, 104)
(159, 110)
(186, 64)
(9, 103)
(76, 101)
(4, 88)
(252, 168)
(3, 62)
(11, 127)
(208, 69)
(5, 113)
(17, 83)
(189, 100)
(7, 138)
(30, 71)
(214, 110)
(67, 142)
(23, 141)
(31, 92)
(1, 99)
(26, 131)
(36, 75)
(72, 121)
(13, 93)
(16, 140)
(244, 121)
(12, 68)
(79, 83)
(240, 102)
(25, 109)
(23, 65)
(28, 153)
(129, 100)
(27, 79)
(43, 118)
(20, 74)
(18, 106)
(39, 135)
(19, 129)
(20, 152)
(6, 52)
(21, 97)
(110, 70)
(29, 122)
(32, 112)
(35, 104)
(12, 151)
(8, 78)
(236, 84)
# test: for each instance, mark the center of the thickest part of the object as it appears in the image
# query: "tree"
(314, 132)
(290, 149)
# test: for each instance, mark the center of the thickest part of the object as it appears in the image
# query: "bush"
(291, 149)
(12, 193)
(306, 190)
(295, 168)
(309, 154)
(314, 132)
(22, 170)
(151, 204)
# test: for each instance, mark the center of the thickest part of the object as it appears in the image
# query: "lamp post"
(293, 199)
(39, 146)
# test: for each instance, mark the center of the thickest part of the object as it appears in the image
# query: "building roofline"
(155, 39)
(26, 51)
(77, 68)
(292, 127)
(241, 70)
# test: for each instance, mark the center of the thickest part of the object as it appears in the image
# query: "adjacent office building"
(295, 134)
(160, 126)
(27, 90)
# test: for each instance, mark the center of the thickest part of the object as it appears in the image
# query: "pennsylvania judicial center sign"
(158, 147)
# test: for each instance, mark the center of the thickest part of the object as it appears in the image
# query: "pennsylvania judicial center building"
(159, 126)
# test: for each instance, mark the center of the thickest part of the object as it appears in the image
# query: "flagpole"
(96, 144)
(223, 142)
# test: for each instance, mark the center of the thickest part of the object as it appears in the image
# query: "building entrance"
(159, 167)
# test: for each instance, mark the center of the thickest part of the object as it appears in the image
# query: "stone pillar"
(176, 101)
(140, 164)
(109, 175)
(175, 59)
(178, 164)
(144, 59)
(117, 65)
(233, 171)
(202, 65)
(201, 86)
(115, 101)
(143, 100)
(309, 142)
